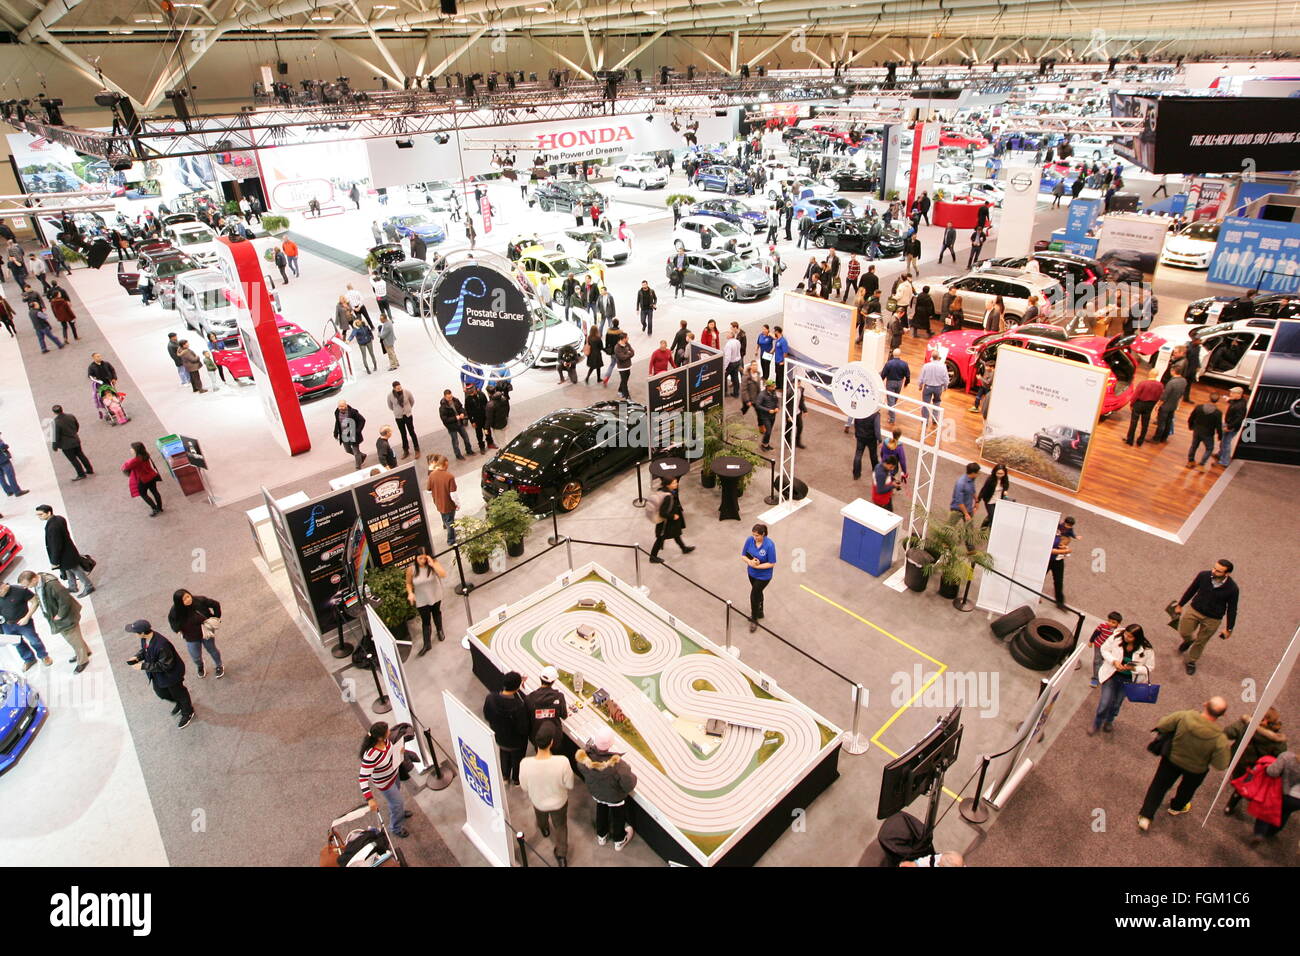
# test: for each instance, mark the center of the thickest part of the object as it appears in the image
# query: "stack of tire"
(1038, 643)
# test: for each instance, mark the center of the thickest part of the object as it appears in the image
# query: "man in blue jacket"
(780, 346)
(165, 668)
(897, 375)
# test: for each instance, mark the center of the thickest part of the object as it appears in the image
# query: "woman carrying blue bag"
(1127, 660)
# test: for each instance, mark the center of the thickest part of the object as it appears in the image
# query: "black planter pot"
(480, 567)
(515, 548)
(707, 478)
(914, 574)
(948, 591)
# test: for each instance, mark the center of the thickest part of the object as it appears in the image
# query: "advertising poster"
(819, 331)
(1043, 413)
(393, 512)
(1081, 217)
(1271, 431)
(293, 568)
(666, 405)
(704, 381)
(1020, 542)
(393, 676)
(319, 533)
(482, 313)
(475, 752)
(1225, 135)
(925, 152)
(1145, 234)
(292, 176)
(1257, 254)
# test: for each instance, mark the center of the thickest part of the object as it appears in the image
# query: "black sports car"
(854, 181)
(557, 459)
(404, 277)
(560, 195)
(850, 235)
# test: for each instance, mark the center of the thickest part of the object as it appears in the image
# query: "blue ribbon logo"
(315, 512)
(466, 289)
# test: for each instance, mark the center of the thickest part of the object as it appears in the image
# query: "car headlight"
(297, 378)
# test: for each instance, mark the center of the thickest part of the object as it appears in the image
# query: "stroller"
(351, 843)
(111, 405)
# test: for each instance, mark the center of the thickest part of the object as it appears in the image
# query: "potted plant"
(512, 518)
(685, 198)
(711, 444)
(478, 542)
(230, 208)
(387, 590)
(958, 547)
(275, 225)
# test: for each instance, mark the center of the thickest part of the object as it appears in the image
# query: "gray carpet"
(271, 758)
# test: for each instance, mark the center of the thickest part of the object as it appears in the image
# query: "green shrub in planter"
(511, 517)
(958, 547)
(388, 596)
(686, 199)
(71, 255)
(231, 208)
(478, 541)
(275, 224)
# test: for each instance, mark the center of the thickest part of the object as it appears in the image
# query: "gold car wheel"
(570, 495)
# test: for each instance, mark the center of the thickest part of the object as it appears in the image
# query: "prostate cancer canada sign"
(483, 313)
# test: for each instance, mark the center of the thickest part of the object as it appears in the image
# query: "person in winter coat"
(1287, 767)
(62, 613)
(923, 312)
(143, 478)
(566, 364)
(595, 352)
(1206, 425)
(1197, 744)
(281, 263)
(1126, 657)
(750, 387)
(193, 364)
(498, 408)
(670, 521)
(507, 714)
(384, 448)
(196, 618)
(452, 413)
(623, 355)
(158, 659)
(476, 410)
(67, 439)
(610, 781)
(62, 310)
(349, 425)
(62, 551)
(765, 410)
(1268, 741)
(402, 404)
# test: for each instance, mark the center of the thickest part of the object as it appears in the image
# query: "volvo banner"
(1210, 134)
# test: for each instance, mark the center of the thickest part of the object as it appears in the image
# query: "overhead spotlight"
(181, 108)
(762, 71)
(441, 138)
(107, 98)
(405, 143)
(122, 163)
(637, 73)
(663, 76)
(744, 70)
(690, 72)
(52, 114)
(649, 117)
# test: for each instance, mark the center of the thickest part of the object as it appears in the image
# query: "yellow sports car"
(548, 270)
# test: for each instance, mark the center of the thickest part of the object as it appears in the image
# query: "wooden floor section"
(1152, 484)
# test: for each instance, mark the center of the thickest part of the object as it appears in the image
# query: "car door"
(1250, 362)
(975, 298)
(582, 459)
(1226, 354)
(707, 276)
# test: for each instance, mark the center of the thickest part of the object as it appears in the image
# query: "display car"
(1192, 246)
(1054, 173)
(558, 459)
(980, 190)
(641, 173)
(314, 370)
(403, 277)
(557, 332)
(823, 209)
(1071, 271)
(206, 304)
(709, 232)
(577, 242)
(1231, 352)
(853, 180)
(415, 224)
(1226, 308)
(961, 139)
(163, 266)
(523, 242)
(967, 353)
(781, 171)
(733, 211)
(946, 172)
(979, 288)
(548, 270)
(22, 714)
(173, 218)
(1126, 265)
(559, 195)
(719, 178)
(1095, 148)
(852, 235)
(194, 239)
(1063, 443)
(802, 187)
(723, 273)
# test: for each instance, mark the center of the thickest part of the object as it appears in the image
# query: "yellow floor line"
(875, 738)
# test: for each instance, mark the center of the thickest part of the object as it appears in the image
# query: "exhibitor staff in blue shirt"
(962, 506)
(759, 553)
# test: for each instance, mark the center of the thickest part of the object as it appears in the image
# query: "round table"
(669, 468)
(730, 470)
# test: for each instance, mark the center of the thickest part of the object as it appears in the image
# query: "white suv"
(195, 240)
(640, 173)
(980, 288)
(690, 232)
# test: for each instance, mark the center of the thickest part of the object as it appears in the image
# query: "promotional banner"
(1271, 431)
(1020, 542)
(259, 332)
(1225, 134)
(819, 331)
(857, 390)
(292, 176)
(889, 153)
(1043, 413)
(1145, 234)
(474, 750)
(483, 313)
(925, 152)
(1206, 198)
(393, 675)
(392, 509)
(318, 532)
(1258, 254)
(1081, 217)
(704, 384)
(1019, 203)
(292, 567)
(666, 406)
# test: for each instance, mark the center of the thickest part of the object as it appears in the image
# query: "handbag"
(1161, 743)
(210, 628)
(1173, 615)
(88, 563)
(1142, 693)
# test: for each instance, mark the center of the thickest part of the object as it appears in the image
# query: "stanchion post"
(639, 500)
(854, 742)
(444, 774)
(555, 527)
(975, 811)
(522, 847)
(465, 586)
(382, 704)
(964, 603)
(772, 497)
(733, 651)
(568, 550)
(636, 559)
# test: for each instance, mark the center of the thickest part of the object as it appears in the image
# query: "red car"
(969, 350)
(952, 137)
(837, 134)
(314, 369)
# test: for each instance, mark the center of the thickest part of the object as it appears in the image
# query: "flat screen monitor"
(911, 774)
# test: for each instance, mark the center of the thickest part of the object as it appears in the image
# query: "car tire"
(1027, 660)
(1045, 638)
(1057, 452)
(821, 242)
(729, 293)
(1008, 624)
(641, 184)
(954, 374)
(410, 307)
(618, 180)
(570, 496)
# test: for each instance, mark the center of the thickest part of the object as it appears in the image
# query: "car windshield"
(729, 263)
(412, 221)
(214, 300)
(583, 191)
(567, 267)
(545, 320)
(726, 229)
(409, 275)
(1205, 231)
(193, 238)
(172, 267)
(298, 345)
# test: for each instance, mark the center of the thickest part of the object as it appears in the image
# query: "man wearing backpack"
(665, 509)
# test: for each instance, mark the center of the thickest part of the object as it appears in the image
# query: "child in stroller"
(113, 404)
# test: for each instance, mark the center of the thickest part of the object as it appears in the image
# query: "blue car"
(22, 714)
(733, 211)
(1052, 176)
(822, 209)
(416, 224)
(722, 179)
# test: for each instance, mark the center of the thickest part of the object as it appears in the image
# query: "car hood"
(958, 341)
(556, 337)
(1186, 246)
(752, 276)
(310, 364)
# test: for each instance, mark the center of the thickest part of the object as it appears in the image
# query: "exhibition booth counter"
(963, 215)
